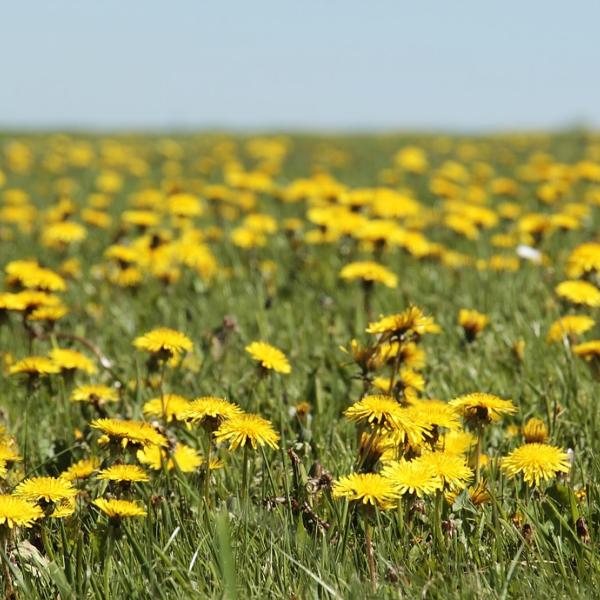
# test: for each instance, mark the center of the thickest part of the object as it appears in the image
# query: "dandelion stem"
(478, 452)
(207, 472)
(245, 476)
(9, 590)
(437, 525)
(163, 404)
(395, 370)
(370, 555)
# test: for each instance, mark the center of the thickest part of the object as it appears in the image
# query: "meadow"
(299, 366)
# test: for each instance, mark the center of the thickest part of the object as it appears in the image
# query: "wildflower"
(377, 410)
(8, 454)
(247, 430)
(185, 457)
(588, 350)
(29, 274)
(62, 509)
(377, 445)
(482, 407)
(34, 366)
(209, 412)
(269, 357)
(119, 509)
(434, 412)
(370, 272)
(30, 300)
(579, 292)
(369, 489)
(536, 462)
(480, 494)
(17, 512)
(366, 357)
(410, 322)
(518, 350)
(172, 406)
(137, 433)
(406, 385)
(123, 473)
(584, 259)
(569, 326)
(473, 322)
(409, 354)
(385, 412)
(47, 489)
(59, 235)
(82, 469)
(50, 314)
(451, 469)
(412, 159)
(163, 341)
(535, 432)
(71, 360)
(412, 477)
(95, 394)
(10, 301)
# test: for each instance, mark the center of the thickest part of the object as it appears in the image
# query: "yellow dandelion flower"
(123, 473)
(588, 350)
(164, 341)
(185, 457)
(584, 259)
(64, 508)
(482, 406)
(536, 462)
(473, 322)
(17, 512)
(535, 431)
(434, 412)
(210, 411)
(269, 357)
(32, 299)
(412, 321)
(369, 489)
(247, 431)
(49, 489)
(386, 412)
(8, 451)
(10, 301)
(411, 356)
(480, 494)
(579, 292)
(369, 271)
(412, 477)
(58, 235)
(29, 274)
(119, 509)
(377, 410)
(456, 442)
(451, 469)
(82, 469)
(129, 432)
(172, 406)
(94, 393)
(48, 313)
(569, 326)
(408, 384)
(72, 360)
(34, 365)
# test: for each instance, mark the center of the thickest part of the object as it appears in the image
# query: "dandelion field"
(299, 366)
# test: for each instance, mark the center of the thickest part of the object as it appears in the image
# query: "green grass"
(185, 548)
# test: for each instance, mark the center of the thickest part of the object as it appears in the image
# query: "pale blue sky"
(328, 64)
